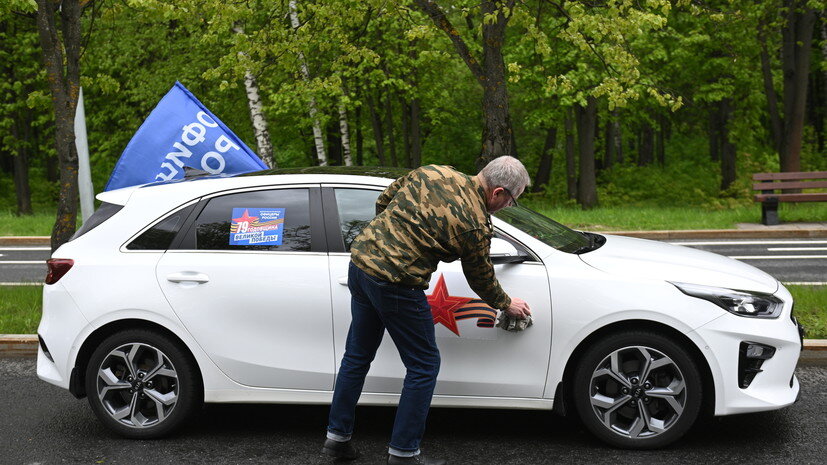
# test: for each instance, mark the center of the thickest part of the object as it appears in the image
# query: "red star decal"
(245, 217)
(443, 305)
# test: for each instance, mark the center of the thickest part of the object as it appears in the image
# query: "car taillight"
(57, 268)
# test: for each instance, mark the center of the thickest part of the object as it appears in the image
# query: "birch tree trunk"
(343, 128)
(260, 126)
(318, 138)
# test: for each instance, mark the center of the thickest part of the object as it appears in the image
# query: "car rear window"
(160, 236)
(103, 213)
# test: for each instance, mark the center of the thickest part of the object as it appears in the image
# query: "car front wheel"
(637, 390)
(142, 385)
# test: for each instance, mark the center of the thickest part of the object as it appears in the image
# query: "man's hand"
(518, 308)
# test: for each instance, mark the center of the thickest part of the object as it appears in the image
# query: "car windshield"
(544, 229)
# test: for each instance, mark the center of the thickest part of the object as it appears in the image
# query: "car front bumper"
(775, 385)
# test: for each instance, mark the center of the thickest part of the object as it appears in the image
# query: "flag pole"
(87, 191)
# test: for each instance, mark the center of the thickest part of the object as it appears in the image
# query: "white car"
(160, 303)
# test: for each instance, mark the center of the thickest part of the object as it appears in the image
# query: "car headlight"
(741, 303)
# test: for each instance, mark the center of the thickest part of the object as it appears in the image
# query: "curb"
(722, 234)
(25, 240)
(24, 345)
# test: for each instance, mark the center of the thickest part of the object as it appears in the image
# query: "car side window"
(160, 236)
(277, 219)
(356, 208)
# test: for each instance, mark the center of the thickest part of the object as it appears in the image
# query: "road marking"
(770, 257)
(25, 248)
(21, 284)
(756, 242)
(802, 283)
(22, 262)
(794, 249)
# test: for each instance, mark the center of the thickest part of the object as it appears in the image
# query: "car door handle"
(343, 280)
(188, 276)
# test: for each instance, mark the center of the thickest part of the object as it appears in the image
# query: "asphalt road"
(790, 260)
(40, 423)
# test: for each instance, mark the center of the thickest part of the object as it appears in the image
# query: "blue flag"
(181, 132)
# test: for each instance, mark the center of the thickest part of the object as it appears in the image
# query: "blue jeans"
(377, 305)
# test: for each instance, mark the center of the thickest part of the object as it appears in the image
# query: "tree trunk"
(571, 167)
(260, 126)
(389, 129)
(647, 142)
(416, 134)
(795, 53)
(61, 57)
(497, 134)
(406, 134)
(715, 133)
(618, 130)
(546, 159)
(318, 138)
(608, 157)
(334, 144)
(587, 182)
(359, 137)
(345, 132)
(728, 148)
(661, 143)
(22, 133)
(378, 135)
(772, 96)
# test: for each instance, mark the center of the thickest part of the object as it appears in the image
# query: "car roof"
(187, 186)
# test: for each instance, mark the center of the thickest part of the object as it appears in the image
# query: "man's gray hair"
(507, 172)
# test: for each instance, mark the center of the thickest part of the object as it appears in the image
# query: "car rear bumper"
(60, 325)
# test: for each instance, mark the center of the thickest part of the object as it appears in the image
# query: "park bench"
(768, 183)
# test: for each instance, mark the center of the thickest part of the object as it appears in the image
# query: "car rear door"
(477, 358)
(248, 277)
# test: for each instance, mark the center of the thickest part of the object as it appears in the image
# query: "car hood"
(658, 260)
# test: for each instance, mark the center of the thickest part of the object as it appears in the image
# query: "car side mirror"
(503, 251)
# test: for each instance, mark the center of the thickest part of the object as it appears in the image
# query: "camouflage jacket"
(433, 214)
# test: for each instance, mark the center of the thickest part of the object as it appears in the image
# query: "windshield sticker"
(257, 226)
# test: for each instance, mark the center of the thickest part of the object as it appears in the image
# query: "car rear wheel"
(141, 384)
(637, 390)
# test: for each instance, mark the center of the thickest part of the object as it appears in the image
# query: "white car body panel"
(571, 296)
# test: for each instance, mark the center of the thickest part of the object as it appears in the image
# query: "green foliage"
(650, 63)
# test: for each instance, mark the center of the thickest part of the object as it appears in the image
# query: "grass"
(811, 309)
(20, 308)
(646, 217)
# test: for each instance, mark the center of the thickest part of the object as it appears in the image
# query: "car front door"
(477, 358)
(249, 280)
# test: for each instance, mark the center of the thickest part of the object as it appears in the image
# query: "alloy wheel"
(637, 392)
(137, 385)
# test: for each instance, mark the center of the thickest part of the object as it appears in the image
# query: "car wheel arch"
(76, 384)
(563, 401)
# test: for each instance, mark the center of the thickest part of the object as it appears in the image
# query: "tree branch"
(441, 20)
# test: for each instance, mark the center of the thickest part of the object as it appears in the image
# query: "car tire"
(631, 404)
(142, 385)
